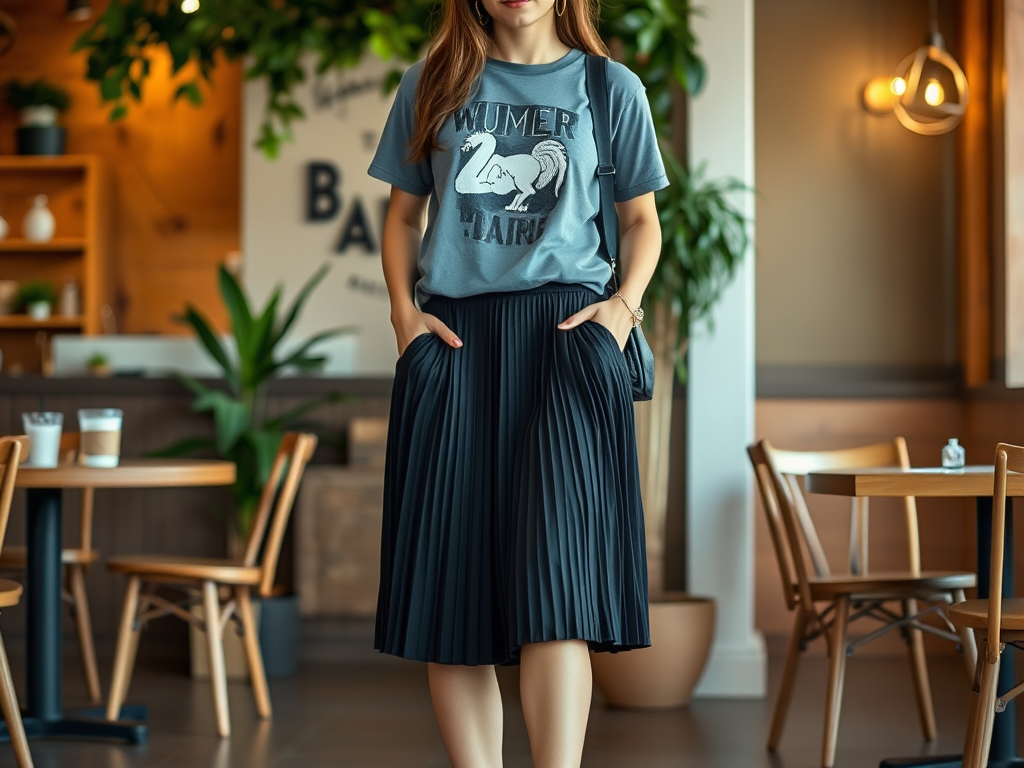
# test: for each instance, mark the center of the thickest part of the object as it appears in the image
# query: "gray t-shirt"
(514, 195)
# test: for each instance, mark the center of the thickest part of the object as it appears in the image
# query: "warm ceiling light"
(79, 10)
(933, 93)
(189, 6)
(928, 94)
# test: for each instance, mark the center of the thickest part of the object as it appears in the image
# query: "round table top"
(130, 473)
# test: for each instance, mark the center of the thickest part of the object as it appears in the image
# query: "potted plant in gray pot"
(245, 433)
(39, 104)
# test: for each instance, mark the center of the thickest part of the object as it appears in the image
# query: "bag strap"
(597, 92)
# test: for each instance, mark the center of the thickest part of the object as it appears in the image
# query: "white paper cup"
(43, 429)
(100, 436)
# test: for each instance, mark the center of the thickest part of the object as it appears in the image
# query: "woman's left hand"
(612, 314)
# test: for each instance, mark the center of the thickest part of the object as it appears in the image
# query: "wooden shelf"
(57, 245)
(45, 162)
(27, 323)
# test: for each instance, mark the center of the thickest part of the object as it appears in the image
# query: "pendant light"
(928, 93)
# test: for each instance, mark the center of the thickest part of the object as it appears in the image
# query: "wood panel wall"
(176, 169)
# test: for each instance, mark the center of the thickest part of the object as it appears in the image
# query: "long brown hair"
(457, 56)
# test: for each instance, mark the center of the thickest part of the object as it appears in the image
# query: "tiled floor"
(362, 709)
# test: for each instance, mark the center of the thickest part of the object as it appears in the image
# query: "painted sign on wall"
(316, 204)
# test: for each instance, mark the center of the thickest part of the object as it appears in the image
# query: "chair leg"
(836, 671)
(919, 671)
(215, 642)
(974, 715)
(12, 713)
(788, 678)
(252, 651)
(83, 624)
(967, 641)
(127, 638)
(987, 709)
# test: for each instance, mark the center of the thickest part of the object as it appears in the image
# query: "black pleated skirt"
(512, 509)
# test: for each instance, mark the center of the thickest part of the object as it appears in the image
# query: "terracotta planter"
(664, 675)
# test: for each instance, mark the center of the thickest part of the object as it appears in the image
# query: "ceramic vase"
(39, 223)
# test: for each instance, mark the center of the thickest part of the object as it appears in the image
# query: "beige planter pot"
(664, 675)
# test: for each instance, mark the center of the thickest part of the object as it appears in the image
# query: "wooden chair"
(193, 581)
(12, 450)
(76, 561)
(980, 616)
(826, 603)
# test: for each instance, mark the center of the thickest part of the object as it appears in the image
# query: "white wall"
(279, 242)
(720, 415)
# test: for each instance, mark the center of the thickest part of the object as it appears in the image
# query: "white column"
(720, 415)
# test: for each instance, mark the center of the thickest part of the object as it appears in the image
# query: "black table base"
(81, 728)
(1003, 753)
(44, 715)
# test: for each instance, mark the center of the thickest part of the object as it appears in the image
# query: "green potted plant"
(245, 433)
(98, 365)
(39, 104)
(36, 297)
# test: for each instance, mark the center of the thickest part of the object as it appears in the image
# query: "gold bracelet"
(638, 313)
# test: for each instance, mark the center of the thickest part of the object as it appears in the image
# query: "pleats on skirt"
(512, 509)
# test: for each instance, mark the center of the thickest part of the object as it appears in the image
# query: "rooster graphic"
(523, 174)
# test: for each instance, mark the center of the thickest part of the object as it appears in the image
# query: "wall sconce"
(928, 94)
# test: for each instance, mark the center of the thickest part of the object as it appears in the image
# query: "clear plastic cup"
(100, 438)
(43, 429)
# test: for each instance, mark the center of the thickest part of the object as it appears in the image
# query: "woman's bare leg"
(467, 705)
(555, 684)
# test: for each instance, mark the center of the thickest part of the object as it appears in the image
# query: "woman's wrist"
(402, 311)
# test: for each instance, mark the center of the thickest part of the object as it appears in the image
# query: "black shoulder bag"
(638, 354)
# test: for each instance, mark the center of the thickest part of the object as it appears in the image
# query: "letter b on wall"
(322, 198)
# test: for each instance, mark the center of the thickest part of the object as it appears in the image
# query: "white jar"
(69, 303)
(39, 223)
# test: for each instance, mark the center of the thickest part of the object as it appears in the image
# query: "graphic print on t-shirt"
(513, 162)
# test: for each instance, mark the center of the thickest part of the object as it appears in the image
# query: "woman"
(513, 527)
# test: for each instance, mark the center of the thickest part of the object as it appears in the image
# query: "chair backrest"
(1008, 458)
(12, 451)
(268, 528)
(789, 520)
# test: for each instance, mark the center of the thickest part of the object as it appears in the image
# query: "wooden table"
(969, 482)
(44, 715)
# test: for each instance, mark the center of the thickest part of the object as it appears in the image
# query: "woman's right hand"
(412, 323)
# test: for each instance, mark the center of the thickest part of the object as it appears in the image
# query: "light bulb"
(898, 86)
(189, 6)
(933, 93)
